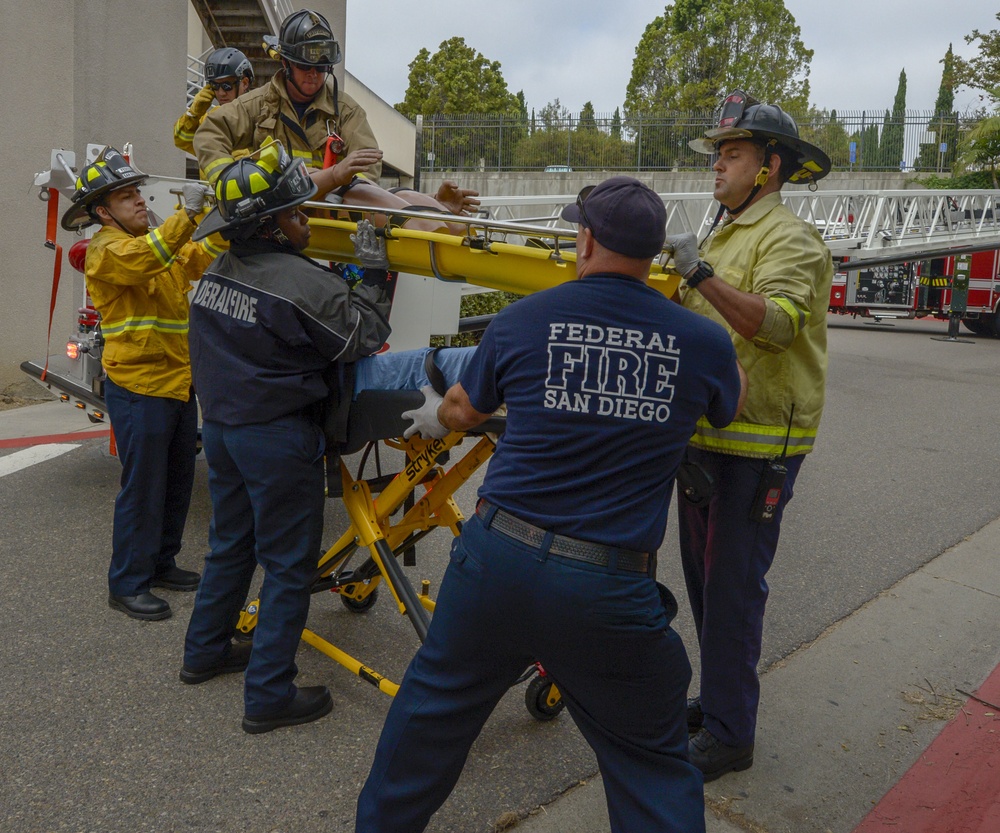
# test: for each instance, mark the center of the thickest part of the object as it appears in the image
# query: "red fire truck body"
(924, 289)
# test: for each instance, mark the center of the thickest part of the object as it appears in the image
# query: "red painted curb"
(955, 784)
(23, 442)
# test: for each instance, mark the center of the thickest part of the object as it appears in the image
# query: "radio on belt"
(772, 482)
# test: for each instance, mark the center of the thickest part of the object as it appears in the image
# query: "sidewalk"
(845, 718)
(48, 422)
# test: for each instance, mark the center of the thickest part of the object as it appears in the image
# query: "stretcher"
(510, 256)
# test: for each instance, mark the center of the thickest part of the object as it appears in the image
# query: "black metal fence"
(855, 141)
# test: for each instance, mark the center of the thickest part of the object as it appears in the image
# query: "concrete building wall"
(77, 73)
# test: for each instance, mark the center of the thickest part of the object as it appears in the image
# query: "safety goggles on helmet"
(734, 107)
(315, 54)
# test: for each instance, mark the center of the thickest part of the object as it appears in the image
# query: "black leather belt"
(573, 548)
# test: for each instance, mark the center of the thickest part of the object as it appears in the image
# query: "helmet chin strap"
(116, 221)
(290, 78)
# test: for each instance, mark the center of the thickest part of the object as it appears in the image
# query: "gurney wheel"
(542, 699)
(360, 605)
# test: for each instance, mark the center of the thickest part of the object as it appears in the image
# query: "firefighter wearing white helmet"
(268, 326)
(228, 74)
(138, 279)
(765, 275)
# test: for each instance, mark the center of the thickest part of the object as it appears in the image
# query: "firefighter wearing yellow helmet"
(138, 278)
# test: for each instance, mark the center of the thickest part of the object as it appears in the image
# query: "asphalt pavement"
(881, 623)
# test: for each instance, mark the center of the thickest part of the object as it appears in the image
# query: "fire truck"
(930, 288)
(917, 254)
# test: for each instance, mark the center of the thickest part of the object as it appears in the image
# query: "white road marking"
(29, 456)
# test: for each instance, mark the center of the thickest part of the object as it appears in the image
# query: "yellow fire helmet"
(250, 190)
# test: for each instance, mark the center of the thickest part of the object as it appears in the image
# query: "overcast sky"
(582, 51)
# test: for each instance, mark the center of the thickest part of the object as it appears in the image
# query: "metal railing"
(855, 140)
(195, 75)
(276, 11)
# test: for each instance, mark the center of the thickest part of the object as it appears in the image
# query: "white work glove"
(684, 250)
(369, 248)
(195, 196)
(425, 418)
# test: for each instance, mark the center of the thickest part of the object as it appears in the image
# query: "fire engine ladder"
(865, 228)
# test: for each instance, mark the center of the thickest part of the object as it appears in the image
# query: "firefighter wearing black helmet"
(304, 109)
(138, 278)
(765, 275)
(267, 324)
(228, 74)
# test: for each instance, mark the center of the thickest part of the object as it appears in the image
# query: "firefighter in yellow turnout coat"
(138, 279)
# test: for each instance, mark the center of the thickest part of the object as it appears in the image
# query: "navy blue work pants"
(726, 557)
(603, 636)
(266, 483)
(157, 440)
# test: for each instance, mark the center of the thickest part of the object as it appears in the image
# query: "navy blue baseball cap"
(624, 216)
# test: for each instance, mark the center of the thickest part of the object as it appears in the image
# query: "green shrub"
(482, 303)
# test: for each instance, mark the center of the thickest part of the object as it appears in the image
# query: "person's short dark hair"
(624, 215)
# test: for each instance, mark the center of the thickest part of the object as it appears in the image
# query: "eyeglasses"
(733, 107)
(579, 204)
(322, 69)
(225, 86)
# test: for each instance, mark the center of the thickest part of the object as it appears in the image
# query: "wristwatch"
(703, 271)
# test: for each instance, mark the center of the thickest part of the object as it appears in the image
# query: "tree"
(616, 124)
(697, 51)
(554, 116)
(944, 123)
(588, 120)
(825, 131)
(983, 71)
(455, 80)
(891, 143)
(979, 149)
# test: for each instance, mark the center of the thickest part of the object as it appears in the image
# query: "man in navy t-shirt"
(604, 380)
